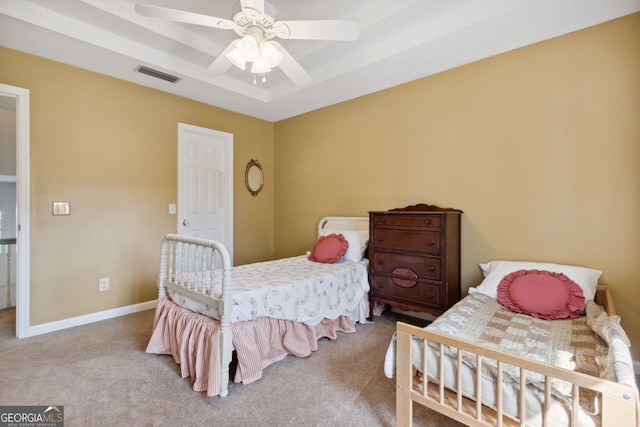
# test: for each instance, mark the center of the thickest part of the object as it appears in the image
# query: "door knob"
(185, 222)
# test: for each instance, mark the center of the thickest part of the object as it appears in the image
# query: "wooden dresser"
(414, 258)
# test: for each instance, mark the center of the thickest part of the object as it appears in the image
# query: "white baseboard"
(89, 318)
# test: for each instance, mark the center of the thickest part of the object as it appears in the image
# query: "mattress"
(293, 289)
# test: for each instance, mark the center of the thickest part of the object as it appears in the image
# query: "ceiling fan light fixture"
(236, 59)
(263, 55)
(270, 54)
(260, 67)
(248, 48)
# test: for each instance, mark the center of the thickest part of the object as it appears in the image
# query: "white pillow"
(494, 272)
(357, 239)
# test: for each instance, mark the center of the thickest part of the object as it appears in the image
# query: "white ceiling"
(400, 41)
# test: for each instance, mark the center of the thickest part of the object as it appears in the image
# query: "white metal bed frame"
(187, 265)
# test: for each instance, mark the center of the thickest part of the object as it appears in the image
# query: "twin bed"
(208, 310)
(484, 364)
(480, 363)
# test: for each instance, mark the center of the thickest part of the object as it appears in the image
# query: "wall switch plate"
(61, 208)
(173, 209)
(104, 284)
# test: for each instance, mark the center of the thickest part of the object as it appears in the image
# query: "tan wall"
(110, 148)
(540, 147)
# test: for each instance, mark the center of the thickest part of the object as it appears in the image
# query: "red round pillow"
(329, 249)
(541, 294)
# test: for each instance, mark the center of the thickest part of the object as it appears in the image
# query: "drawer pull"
(430, 295)
(431, 268)
(381, 285)
(381, 239)
(431, 243)
(427, 221)
(380, 261)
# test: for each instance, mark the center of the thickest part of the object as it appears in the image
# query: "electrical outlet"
(104, 284)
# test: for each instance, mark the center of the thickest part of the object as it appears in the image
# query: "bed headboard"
(343, 223)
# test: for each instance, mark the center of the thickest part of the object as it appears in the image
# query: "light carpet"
(102, 376)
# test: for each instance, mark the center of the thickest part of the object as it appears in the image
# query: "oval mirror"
(254, 177)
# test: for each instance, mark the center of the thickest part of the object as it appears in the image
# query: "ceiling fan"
(255, 22)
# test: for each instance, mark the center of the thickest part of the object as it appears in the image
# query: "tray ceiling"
(400, 41)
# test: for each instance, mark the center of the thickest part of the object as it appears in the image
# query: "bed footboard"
(618, 401)
(188, 265)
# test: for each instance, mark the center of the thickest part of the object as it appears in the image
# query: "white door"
(205, 184)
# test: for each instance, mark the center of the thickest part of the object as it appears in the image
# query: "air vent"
(157, 74)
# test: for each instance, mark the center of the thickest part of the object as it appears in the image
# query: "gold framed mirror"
(254, 177)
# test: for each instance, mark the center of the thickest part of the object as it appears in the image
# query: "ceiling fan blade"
(253, 7)
(222, 63)
(184, 16)
(316, 30)
(291, 68)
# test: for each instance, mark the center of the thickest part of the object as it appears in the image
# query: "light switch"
(172, 209)
(61, 208)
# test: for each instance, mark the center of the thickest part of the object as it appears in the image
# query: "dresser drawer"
(431, 221)
(402, 290)
(407, 240)
(412, 267)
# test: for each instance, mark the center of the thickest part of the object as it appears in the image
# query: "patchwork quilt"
(571, 344)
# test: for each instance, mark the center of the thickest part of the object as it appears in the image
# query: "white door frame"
(23, 325)
(184, 129)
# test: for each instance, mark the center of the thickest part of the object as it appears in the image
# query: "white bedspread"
(289, 289)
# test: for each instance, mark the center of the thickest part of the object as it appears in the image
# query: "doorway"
(14, 170)
(8, 221)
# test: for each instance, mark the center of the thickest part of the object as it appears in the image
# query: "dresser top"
(420, 208)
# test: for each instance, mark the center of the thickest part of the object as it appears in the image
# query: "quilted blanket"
(571, 344)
